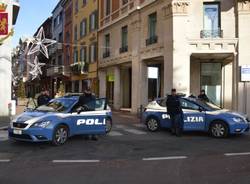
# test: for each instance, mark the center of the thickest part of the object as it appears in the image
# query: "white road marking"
(134, 131)
(237, 154)
(5, 160)
(114, 133)
(75, 161)
(165, 158)
(139, 125)
(3, 135)
(120, 126)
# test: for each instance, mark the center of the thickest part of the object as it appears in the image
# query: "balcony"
(152, 40)
(55, 48)
(106, 54)
(79, 69)
(123, 49)
(218, 33)
(57, 70)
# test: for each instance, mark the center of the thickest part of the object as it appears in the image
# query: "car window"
(162, 102)
(57, 105)
(185, 104)
(94, 105)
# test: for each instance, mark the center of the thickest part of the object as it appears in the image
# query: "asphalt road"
(130, 154)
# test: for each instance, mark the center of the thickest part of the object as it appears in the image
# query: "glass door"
(211, 81)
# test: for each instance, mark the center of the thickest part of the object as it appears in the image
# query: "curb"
(4, 128)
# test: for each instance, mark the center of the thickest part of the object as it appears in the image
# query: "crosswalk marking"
(3, 135)
(134, 131)
(139, 125)
(114, 133)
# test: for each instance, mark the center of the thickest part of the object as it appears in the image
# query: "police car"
(60, 119)
(198, 116)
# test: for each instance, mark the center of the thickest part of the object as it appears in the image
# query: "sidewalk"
(125, 117)
(5, 121)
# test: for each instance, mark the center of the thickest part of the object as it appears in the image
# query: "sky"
(31, 15)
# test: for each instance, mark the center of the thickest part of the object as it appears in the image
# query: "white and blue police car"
(60, 119)
(198, 116)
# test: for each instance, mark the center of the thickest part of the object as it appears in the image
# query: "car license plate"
(18, 132)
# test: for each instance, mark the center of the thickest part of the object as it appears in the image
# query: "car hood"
(28, 116)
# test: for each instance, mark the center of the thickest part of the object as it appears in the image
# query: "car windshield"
(57, 105)
(207, 105)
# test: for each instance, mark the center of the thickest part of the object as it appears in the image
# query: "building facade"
(67, 35)
(85, 24)
(58, 71)
(8, 15)
(153, 46)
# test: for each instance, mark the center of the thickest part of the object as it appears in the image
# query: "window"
(59, 60)
(83, 27)
(75, 55)
(124, 2)
(212, 19)
(107, 7)
(189, 105)
(84, 2)
(152, 23)
(93, 21)
(75, 33)
(93, 52)
(54, 22)
(60, 37)
(76, 6)
(124, 39)
(83, 54)
(107, 46)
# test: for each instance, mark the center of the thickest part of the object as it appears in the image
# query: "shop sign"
(245, 73)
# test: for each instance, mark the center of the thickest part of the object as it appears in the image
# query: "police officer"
(174, 109)
(203, 96)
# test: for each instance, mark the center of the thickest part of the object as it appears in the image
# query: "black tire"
(153, 124)
(109, 125)
(219, 129)
(60, 135)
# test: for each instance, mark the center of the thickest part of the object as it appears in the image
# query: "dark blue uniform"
(174, 109)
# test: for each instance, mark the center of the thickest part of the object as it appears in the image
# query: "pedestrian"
(43, 98)
(88, 100)
(203, 97)
(174, 109)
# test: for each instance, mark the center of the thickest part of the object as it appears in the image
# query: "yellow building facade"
(84, 40)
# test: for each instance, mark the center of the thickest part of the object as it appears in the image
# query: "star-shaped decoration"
(40, 44)
(36, 68)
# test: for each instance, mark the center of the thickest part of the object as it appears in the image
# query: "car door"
(194, 118)
(91, 120)
(163, 115)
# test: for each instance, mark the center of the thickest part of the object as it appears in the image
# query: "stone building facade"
(152, 46)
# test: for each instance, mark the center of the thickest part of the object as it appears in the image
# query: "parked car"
(60, 119)
(198, 116)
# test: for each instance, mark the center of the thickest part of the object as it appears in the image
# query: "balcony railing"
(124, 49)
(217, 33)
(106, 54)
(79, 68)
(152, 40)
(54, 48)
(56, 70)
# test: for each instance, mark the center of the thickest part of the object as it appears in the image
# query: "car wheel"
(152, 124)
(219, 129)
(109, 125)
(60, 135)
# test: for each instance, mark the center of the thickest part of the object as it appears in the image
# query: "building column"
(139, 84)
(117, 88)
(102, 83)
(168, 73)
(80, 86)
(73, 86)
(235, 83)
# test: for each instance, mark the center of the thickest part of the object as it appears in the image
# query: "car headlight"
(42, 124)
(238, 120)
